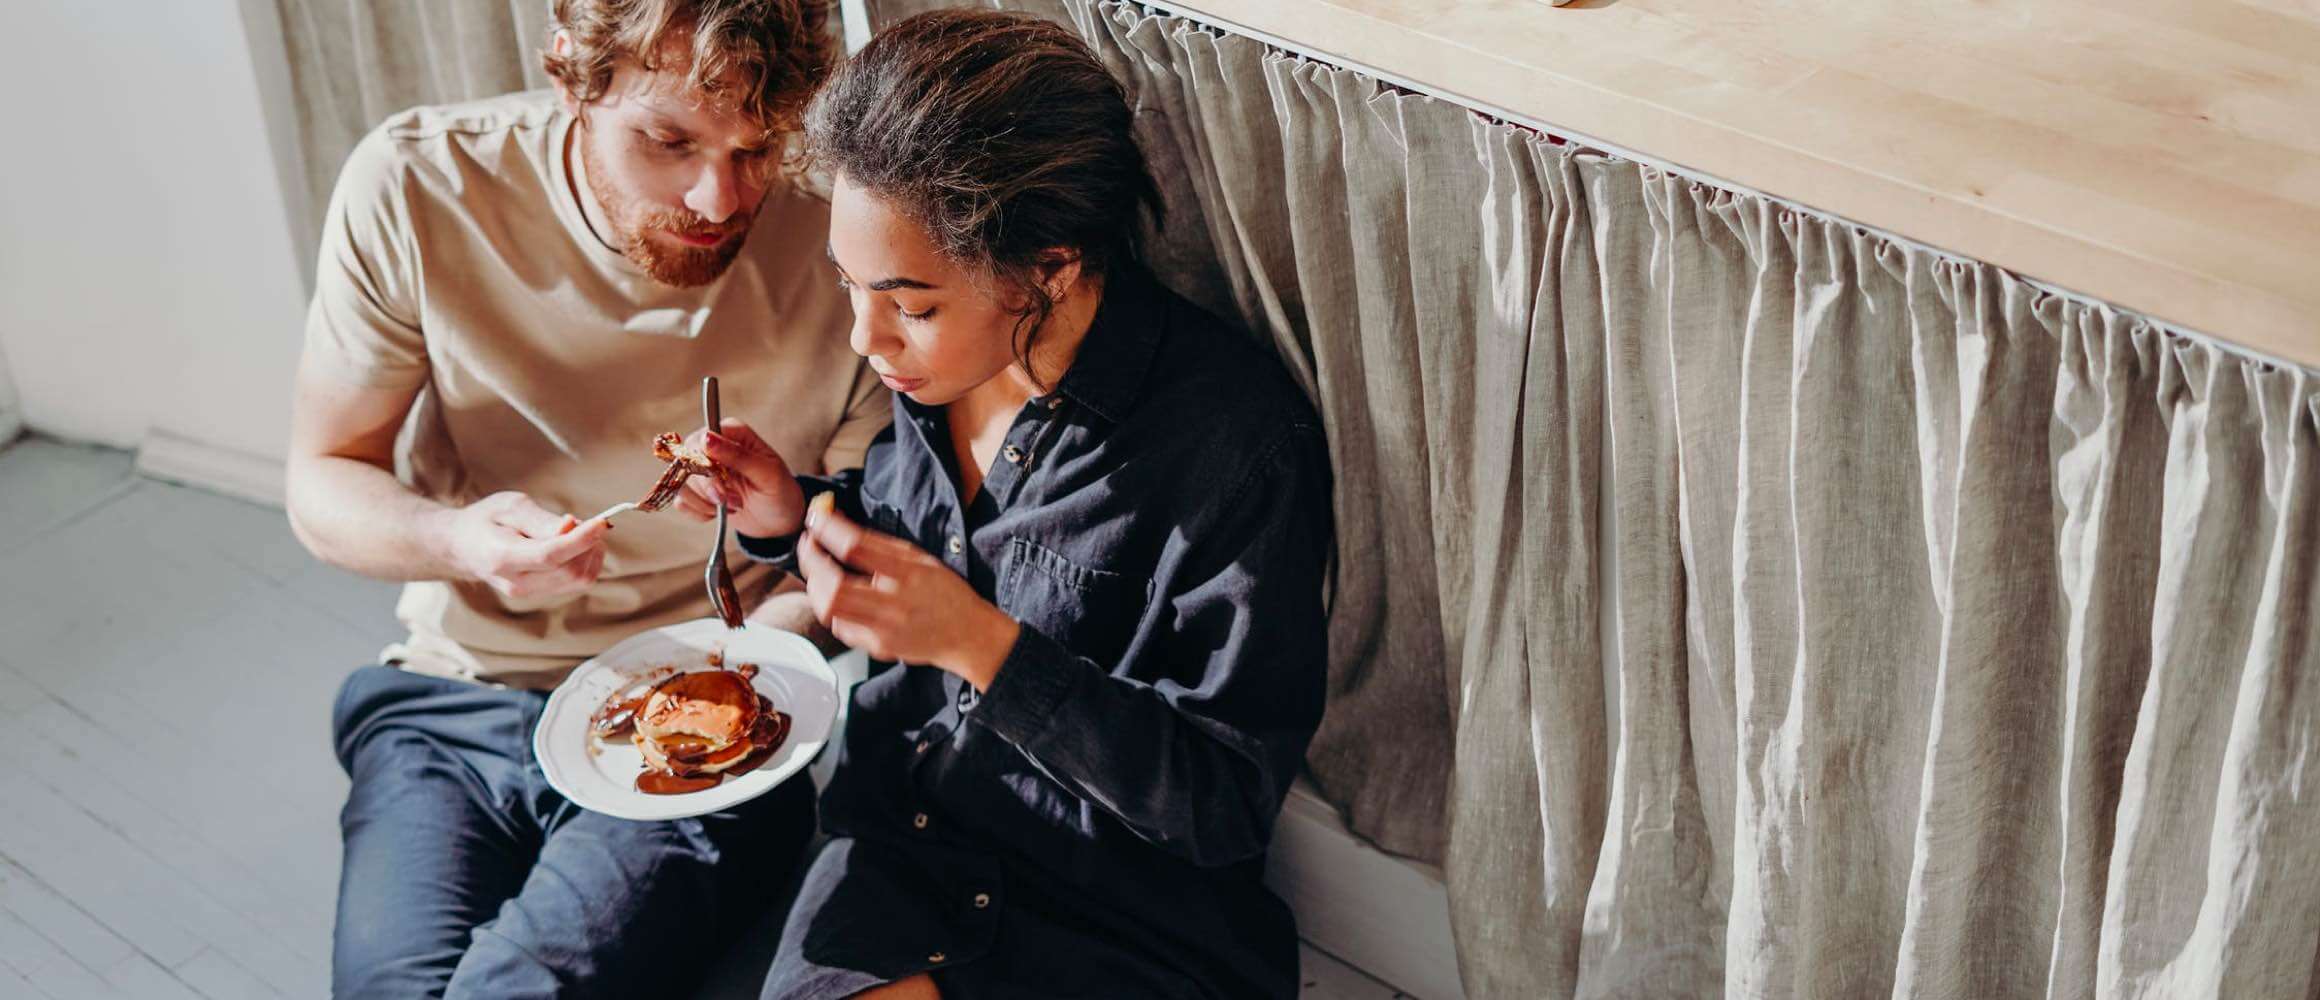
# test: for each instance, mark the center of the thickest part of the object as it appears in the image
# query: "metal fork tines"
(722, 597)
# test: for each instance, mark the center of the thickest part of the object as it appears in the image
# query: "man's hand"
(893, 600)
(770, 504)
(520, 549)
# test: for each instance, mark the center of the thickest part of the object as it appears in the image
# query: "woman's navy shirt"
(1096, 822)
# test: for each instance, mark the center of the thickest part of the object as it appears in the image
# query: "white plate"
(601, 777)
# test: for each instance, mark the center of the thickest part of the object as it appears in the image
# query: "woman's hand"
(770, 504)
(893, 600)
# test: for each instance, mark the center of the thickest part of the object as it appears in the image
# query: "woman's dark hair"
(1001, 136)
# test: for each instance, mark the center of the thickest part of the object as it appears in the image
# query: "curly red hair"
(766, 56)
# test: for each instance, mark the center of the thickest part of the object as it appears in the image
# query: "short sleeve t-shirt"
(456, 261)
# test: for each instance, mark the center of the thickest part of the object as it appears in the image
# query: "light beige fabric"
(354, 62)
(1743, 604)
(456, 260)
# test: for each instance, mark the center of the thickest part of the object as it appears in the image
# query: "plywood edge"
(2181, 292)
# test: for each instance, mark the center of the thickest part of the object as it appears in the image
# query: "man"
(514, 296)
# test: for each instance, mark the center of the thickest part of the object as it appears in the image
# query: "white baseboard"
(1387, 916)
(166, 456)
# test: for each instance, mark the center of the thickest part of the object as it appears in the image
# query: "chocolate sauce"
(617, 719)
(772, 731)
(699, 757)
(763, 750)
(657, 783)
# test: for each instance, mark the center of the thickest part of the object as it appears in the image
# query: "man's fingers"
(584, 570)
(557, 550)
(525, 515)
(547, 583)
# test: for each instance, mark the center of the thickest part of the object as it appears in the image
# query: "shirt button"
(918, 822)
(922, 745)
(982, 900)
(1055, 402)
(967, 697)
(936, 958)
(1014, 454)
(956, 545)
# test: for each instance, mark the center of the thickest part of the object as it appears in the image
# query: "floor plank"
(43, 482)
(217, 977)
(67, 930)
(13, 984)
(64, 979)
(138, 978)
(273, 926)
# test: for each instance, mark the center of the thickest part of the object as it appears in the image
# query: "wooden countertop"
(2159, 155)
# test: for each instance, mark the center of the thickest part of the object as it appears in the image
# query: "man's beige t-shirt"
(456, 261)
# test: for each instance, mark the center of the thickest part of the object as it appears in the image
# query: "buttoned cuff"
(1033, 681)
(780, 551)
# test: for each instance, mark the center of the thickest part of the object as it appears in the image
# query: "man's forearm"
(358, 517)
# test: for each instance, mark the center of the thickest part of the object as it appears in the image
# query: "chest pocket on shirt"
(1090, 611)
(885, 519)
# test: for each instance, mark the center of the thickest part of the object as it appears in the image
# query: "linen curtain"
(1738, 602)
(354, 62)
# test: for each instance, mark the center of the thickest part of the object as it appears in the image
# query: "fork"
(722, 597)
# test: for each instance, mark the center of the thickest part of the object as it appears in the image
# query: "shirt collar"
(1109, 372)
(1107, 376)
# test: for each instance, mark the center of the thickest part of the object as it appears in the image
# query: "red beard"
(678, 266)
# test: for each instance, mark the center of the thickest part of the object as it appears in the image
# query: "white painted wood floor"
(168, 799)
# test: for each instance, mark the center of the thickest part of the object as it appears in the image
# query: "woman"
(1096, 537)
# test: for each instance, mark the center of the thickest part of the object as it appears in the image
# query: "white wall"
(148, 282)
(11, 422)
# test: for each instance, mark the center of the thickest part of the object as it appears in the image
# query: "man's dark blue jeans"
(466, 875)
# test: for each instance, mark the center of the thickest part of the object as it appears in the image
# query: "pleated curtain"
(354, 62)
